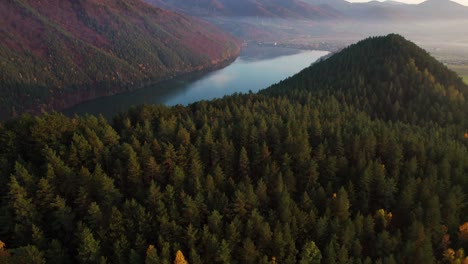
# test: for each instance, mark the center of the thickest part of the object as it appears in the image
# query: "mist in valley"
(445, 39)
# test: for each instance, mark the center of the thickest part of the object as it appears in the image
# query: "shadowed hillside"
(57, 53)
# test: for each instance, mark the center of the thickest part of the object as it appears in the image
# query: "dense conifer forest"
(360, 158)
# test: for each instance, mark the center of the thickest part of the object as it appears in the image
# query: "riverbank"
(246, 74)
(68, 97)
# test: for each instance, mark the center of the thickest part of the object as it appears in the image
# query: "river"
(256, 68)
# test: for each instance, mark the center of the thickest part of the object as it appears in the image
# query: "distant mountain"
(374, 10)
(339, 4)
(390, 78)
(248, 8)
(318, 9)
(57, 53)
(433, 9)
(390, 2)
(392, 10)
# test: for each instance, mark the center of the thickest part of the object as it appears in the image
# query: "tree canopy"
(290, 175)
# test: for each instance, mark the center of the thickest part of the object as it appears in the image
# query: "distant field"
(454, 55)
(462, 70)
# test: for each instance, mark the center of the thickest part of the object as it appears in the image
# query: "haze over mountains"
(333, 24)
(427, 10)
(60, 52)
(273, 8)
(318, 9)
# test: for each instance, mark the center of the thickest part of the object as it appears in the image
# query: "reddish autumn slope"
(57, 53)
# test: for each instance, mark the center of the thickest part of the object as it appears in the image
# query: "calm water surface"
(255, 69)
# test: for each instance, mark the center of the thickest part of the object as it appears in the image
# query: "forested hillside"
(304, 172)
(389, 78)
(58, 53)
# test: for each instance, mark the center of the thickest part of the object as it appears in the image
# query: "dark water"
(255, 69)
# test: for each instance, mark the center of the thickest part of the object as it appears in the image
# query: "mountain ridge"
(58, 53)
(287, 9)
(403, 77)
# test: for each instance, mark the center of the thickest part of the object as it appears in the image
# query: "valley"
(111, 49)
(256, 68)
(59, 53)
(436, 25)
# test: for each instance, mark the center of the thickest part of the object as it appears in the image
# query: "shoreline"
(242, 75)
(62, 102)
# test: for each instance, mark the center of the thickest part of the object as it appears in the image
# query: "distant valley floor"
(447, 42)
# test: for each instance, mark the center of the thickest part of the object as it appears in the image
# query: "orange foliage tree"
(179, 258)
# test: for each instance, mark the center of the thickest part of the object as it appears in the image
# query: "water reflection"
(111, 105)
(255, 69)
(246, 75)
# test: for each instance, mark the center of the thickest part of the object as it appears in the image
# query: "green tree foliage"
(250, 178)
(28, 254)
(88, 246)
(310, 254)
(151, 255)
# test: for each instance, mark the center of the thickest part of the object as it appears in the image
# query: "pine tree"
(224, 253)
(88, 247)
(244, 164)
(341, 205)
(22, 210)
(310, 254)
(28, 254)
(249, 251)
(151, 255)
(56, 253)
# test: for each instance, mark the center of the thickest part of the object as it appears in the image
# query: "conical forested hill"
(313, 170)
(388, 77)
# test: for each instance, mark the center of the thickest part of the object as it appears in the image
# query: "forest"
(360, 158)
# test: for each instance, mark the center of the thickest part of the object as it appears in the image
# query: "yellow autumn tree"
(179, 258)
(449, 255)
(273, 260)
(4, 254)
(2, 246)
(463, 232)
(382, 217)
(453, 257)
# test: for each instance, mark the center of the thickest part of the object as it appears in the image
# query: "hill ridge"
(401, 77)
(288, 9)
(58, 53)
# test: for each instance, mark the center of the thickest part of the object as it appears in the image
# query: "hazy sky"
(463, 2)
